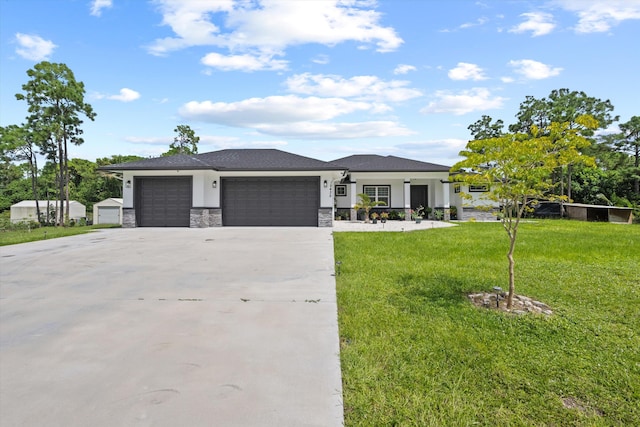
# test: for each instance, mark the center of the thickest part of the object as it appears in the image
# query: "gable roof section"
(262, 160)
(179, 161)
(230, 160)
(376, 163)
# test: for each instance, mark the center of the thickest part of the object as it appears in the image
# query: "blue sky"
(320, 78)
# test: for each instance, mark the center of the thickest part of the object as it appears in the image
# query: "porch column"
(407, 199)
(353, 191)
(445, 199)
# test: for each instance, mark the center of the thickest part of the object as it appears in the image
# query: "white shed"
(108, 211)
(26, 210)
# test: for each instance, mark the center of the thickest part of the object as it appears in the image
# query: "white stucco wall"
(396, 181)
(206, 196)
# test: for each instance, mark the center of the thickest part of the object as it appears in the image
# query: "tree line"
(56, 109)
(615, 177)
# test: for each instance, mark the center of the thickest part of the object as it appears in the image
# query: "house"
(26, 210)
(399, 184)
(261, 187)
(108, 211)
(269, 187)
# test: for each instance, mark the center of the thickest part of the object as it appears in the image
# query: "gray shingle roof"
(376, 163)
(230, 160)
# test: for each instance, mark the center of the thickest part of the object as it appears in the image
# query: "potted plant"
(417, 214)
(374, 217)
(453, 212)
(383, 217)
(438, 214)
(366, 204)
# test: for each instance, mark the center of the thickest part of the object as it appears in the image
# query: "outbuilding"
(26, 210)
(108, 211)
(603, 213)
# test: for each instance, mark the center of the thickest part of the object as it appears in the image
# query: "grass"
(15, 236)
(414, 351)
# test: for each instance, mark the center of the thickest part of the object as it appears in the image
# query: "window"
(378, 193)
(478, 188)
(456, 188)
(341, 190)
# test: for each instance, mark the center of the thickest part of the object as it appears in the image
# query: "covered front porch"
(398, 194)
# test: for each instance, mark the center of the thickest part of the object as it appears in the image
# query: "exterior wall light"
(325, 183)
(214, 184)
(128, 183)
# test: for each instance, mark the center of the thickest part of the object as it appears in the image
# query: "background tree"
(628, 141)
(185, 143)
(18, 144)
(563, 106)
(55, 102)
(484, 128)
(518, 168)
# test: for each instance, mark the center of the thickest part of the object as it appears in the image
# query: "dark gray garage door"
(163, 201)
(277, 201)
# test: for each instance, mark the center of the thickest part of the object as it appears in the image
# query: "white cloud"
(359, 87)
(539, 23)
(98, 5)
(600, 15)
(467, 101)
(466, 71)
(244, 62)
(479, 22)
(149, 140)
(273, 109)
(125, 95)
(322, 130)
(321, 59)
(270, 26)
(403, 69)
(534, 70)
(294, 116)
(33, 47)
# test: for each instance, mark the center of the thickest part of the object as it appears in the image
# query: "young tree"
(518, 169)
(185, 143)
(366, 204)
(55, 102)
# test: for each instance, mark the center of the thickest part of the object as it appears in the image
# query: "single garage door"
(275, 201)
(163, 201)
(108, 215)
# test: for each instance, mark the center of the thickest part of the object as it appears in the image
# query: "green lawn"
(12, 237)
(414, 351)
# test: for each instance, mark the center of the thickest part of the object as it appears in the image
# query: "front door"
(419, 196)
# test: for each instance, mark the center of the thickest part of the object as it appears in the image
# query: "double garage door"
(274, 201)
(259, 201)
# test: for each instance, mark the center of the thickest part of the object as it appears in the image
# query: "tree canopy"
(186, 142)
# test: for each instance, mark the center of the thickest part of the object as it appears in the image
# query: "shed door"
(271, 201)
(108, 215)
(163, 201)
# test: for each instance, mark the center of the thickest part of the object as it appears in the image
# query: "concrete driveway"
(171, 327)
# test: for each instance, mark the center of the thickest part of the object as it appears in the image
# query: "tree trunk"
(33, 171)
(66, 178)
(569, 173)
(512, 274)
(60, 184)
